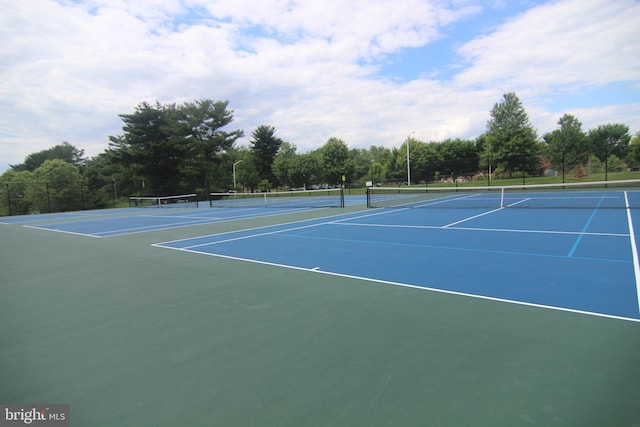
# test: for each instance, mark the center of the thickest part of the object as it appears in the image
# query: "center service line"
(584, 230)
(483, 214)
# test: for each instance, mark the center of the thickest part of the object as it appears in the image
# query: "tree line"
(169, 149)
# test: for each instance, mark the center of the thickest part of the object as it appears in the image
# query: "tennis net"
(333, 197)
(623, 194)
(181, 201)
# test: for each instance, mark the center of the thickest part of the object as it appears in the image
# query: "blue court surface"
(124, 221)
(580, 260)
(121, 222)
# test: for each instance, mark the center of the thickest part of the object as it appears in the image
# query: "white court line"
(485, 213)
(179, 216)
(201, 221)
(158, 227)
(62, 231)
(405, 285)
(414, 204)
(161, 244)
(634, 248)
(216, 220)
(378, 213)
(251, 236)
(471, 217)
(198, 221)
(446, 199)
(133, 230)
(499, 230)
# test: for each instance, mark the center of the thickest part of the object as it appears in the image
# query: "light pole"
(234, 174)
(408, 160)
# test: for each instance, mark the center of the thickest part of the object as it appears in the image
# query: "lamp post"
(409, 160)
(489, 176)
(234, 174)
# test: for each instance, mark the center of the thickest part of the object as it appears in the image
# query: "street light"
(408, 160)
(234, 174)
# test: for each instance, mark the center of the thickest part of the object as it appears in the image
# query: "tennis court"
(140, 221)
(567, 259)
(455, 315)
(164, 216)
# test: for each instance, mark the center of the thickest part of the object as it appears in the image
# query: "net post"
(368, 197)
(501, 197)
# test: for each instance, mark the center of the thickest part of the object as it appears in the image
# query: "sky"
(369, 72)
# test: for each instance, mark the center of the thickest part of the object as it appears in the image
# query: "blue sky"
(367, 71)
(438, 59)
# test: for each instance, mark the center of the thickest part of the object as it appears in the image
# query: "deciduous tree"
(283, 163)
(567, 145)
(55, 186)
(63, 151)
(512, 140)
(633, 155)
(334, 160)
(609, 140)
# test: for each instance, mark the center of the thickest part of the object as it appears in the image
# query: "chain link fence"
(21, 198)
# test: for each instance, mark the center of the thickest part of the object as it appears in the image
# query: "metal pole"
(48, 198)
(563, 169)
(408, 164)
(113, 190)
(606, 161)
(9, 199)
(234, 174)
(409, 160)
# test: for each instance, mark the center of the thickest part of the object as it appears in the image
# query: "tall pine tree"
(264, 147)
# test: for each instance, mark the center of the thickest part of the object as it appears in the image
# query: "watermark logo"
(34, 415)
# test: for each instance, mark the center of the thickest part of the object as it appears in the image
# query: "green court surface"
(133, 335)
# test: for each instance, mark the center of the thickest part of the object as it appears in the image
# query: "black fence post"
(82, 195)
(9, 198)
(48, 198)
(113, 190)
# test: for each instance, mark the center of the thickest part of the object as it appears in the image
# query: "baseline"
(317, 270)
(271, 237)
(130, 224)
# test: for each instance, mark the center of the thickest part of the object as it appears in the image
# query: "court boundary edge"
(634, 248)
(405, 285)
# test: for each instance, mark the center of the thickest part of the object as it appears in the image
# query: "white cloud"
(573, 43)
(308, 68)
